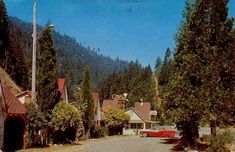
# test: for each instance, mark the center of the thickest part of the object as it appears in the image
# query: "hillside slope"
(72, 57)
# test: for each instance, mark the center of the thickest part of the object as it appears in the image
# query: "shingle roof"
(13, 105)
(143, 109)
(61, 84)
(111, 104)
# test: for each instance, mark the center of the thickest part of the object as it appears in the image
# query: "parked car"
(158, 131)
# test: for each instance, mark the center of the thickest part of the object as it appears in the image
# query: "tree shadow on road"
(179, 146)
(174, 142)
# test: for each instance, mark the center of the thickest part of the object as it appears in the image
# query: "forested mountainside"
(72, 56)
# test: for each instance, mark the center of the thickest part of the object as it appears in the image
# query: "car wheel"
(145, 135)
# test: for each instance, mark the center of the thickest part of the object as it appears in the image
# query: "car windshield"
(162, 128)
(155, 128)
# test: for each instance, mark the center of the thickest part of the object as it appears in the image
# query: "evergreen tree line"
(199, 87)
(136, 80)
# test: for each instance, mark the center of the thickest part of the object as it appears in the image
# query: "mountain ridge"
(72, 56)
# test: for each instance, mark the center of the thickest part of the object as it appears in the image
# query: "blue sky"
(128, 29)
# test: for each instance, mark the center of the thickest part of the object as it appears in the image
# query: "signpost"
(122, 98)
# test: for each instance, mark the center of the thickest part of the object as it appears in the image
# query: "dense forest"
(136, 80)
(72, 56)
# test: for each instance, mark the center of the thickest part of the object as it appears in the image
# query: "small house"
(140, 118)
(13, 120)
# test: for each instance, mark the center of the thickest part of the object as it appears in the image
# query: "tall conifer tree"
(11, 54)
(218, 79)
(47, 72)
(20, 72)
(87, 99)
(5, 54)
(158, 66)
(201, 65)
(166, 70)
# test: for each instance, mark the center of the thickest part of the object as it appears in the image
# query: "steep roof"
(143, 109)
(111, 104)
(98, 114)
(61, 84)
(24, 93)
(13, 105)
(95, 99)
(131, 108)
(2, 100)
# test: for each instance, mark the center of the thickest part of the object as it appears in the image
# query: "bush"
(99, 132)
(65, 120)
(116, 120)
(218, 142)
(65, 116)
(36, 121)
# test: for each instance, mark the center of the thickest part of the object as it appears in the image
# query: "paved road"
(127, 144)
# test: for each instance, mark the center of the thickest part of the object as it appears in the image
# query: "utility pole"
(33, 91)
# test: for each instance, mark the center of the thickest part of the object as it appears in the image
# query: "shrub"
(35, 121)
(116, 120)
(218, 142)
(65, 121)
(99, 132)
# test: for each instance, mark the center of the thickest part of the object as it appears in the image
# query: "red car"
(158, 131)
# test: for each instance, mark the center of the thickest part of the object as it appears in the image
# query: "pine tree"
(166, 68)
(11, 54)
(5, 52)
(47, 72)
(182, 104)
(200, 85)
(158, 66)
(148, 87)
(88, 115)
(218, 79)
(164, 74)
(20, 73)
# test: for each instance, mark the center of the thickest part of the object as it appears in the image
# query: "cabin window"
(136, 125)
